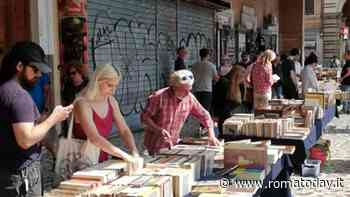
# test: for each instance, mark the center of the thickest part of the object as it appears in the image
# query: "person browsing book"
(95, 111)
(167, 110)
(262, 79)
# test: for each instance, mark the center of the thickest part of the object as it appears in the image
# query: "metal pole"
(157, 44)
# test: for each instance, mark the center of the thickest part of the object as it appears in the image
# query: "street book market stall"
(258, 153)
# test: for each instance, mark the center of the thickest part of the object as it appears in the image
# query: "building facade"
(336, 14)
(313, 36)
(256, 25)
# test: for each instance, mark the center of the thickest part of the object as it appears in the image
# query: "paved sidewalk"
(338, 132)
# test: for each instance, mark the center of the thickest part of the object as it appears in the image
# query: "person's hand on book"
(213, 141)
(167, 137)
(134, 164)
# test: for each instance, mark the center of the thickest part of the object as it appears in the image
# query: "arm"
(83, 113)
(151, 110)
(216, 76)
(315, 81)
(124, 131)
(27, 134)
(248, 77)
(346, 75)
(269, 76)
(293, 76)
(204, 117)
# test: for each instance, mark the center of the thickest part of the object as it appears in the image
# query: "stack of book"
(248, 174)
(181, 178)
(193, 163)
(89, 178)
(297, 133)
(285, 102)
(163, 183)
(206, 153)
(207, 187)
(322, 99)
(343, 96)
(104, 191)
(103, 172)
(122, 191)
(269, 128)
(140, 192)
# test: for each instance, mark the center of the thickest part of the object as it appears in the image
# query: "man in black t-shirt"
(289, 79)
(345, 73)
(20, 135)
(180, 60)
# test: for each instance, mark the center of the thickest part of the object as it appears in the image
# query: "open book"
(275, 77)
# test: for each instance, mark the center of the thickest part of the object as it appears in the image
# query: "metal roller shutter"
(167, 28)
(196, 29)
(124, 33)
(140, 37)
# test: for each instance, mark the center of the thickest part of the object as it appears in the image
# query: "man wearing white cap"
(168, 109)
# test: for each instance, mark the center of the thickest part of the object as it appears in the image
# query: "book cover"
(244, 155)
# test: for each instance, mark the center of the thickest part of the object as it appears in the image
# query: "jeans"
(13, 184)
(346, 104)
(345, 88)
(277, 92)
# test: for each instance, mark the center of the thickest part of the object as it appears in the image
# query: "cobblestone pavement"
(338, 132)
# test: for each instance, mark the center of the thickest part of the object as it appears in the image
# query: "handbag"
(74, 154)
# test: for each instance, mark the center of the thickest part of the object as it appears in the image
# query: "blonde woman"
(262, 80)
(228, 95)
(96, 110)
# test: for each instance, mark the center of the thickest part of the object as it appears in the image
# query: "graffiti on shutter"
(139, 37)
(196, 29)
(123, 33)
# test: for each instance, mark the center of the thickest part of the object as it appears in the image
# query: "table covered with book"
(185, 170)
(285, 122)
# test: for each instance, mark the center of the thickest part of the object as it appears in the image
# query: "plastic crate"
(311, 168)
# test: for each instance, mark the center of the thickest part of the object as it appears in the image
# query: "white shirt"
(309, 79)
(297, 67)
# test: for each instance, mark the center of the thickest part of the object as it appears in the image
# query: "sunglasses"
(35, 69)
(189, 77)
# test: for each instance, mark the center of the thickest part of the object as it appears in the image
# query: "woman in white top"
(308, 75)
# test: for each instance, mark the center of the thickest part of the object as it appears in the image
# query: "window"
(309, 7)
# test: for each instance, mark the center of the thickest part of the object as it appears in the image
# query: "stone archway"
(340, 5)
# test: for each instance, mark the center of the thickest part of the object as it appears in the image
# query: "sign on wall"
(249, 20)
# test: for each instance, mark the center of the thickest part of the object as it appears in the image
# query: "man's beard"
(27, 84)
